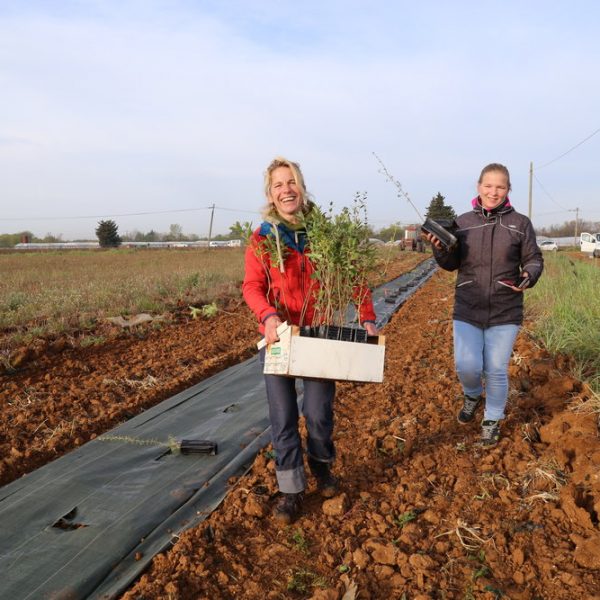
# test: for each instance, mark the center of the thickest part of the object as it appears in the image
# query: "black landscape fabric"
(89, 523)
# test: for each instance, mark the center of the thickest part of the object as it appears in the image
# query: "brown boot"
(327, 484)
(287, 508)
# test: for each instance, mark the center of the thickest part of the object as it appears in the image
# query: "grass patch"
(303, 581)
(565, 307)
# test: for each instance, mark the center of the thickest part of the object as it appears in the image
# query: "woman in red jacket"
(278, 287)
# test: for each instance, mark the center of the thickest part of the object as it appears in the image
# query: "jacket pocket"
(463, 283)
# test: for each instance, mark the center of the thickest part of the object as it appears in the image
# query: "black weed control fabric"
(87, 524)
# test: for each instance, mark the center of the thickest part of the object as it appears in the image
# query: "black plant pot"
(333, 332)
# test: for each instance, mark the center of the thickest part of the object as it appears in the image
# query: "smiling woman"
(281, 283)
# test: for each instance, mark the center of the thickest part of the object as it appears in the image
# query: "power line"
(570, 150)
(548, 194)
(136, 214)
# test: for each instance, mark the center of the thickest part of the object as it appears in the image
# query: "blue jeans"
(317, 408)
(482, 355)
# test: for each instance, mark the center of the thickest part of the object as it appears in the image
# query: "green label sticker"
(275, 351)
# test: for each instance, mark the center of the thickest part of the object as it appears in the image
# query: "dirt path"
(424, 511)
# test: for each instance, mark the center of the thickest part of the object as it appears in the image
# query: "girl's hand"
(429, 237)
(523, 285)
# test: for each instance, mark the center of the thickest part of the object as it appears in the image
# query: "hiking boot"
(327, 484)
(467, 412)
(287, 508)
(490, 433)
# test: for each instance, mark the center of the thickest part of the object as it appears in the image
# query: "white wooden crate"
(298, 356)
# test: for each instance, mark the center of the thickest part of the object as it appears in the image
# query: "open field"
(424, 511)
(45, 294)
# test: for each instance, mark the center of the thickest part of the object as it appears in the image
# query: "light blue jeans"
(482, 355)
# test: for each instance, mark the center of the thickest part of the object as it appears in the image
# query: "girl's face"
(285, 194)
(493, 189)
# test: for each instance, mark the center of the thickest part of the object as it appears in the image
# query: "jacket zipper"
(491, 279)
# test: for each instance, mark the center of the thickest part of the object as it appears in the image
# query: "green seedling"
(405, 518)
(303, 580)
(208, 311)
(300, 541)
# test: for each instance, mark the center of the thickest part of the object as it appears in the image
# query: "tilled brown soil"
(57, 395)
(423, 510)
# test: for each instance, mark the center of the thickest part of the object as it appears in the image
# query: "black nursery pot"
(334, 332)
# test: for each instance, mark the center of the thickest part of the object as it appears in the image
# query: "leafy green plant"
(208, 311)
(342, 257)
(300, 541)
(405, 518)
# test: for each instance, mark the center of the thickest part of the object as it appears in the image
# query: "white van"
(590, 243)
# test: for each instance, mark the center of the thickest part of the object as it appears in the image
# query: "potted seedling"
(342, 258)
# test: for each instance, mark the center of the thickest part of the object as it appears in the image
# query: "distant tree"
(395, 231)
(568, 228)
(240, 231)
(107, 233)
(9, 240)
(438, 209)
(50, 238)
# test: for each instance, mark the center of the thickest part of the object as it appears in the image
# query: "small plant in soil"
(303, 581)
(405, 518)
(172, 444)
(208, 311)
(299, 541)
(482, 569)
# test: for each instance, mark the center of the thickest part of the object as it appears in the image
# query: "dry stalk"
(549, 473)
(517, 358)
(468, 536)
(544, 496)
(588, 406)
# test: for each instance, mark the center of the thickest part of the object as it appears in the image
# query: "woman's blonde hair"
(279, 161)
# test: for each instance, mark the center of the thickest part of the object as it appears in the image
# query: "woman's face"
(285, 194)
(493, 189)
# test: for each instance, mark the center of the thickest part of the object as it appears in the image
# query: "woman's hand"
(271, 325)
(429, 237)
(371, 329)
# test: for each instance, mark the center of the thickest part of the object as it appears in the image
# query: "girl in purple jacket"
(497, 258)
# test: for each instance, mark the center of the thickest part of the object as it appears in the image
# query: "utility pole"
(212, 214)
(576, 225)
(530, 188)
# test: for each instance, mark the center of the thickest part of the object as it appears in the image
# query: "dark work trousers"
(317, 408)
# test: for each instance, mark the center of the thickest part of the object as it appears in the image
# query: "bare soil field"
(423, 511)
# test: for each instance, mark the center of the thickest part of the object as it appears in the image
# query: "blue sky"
(149, 106)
